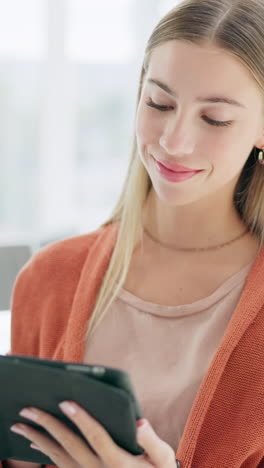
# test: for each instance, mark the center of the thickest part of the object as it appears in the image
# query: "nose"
(176, 139)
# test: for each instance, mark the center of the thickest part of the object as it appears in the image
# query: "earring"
(261, 157)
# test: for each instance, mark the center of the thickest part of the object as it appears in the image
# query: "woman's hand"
(70, 451)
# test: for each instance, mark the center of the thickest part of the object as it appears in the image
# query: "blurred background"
(69, 73)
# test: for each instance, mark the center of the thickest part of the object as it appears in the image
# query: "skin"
(182, 135)
(70, 451)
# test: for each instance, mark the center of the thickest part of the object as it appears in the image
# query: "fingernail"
(141, 422)
(67, 407)
(29, 414)
(34, 446)
(18, 430)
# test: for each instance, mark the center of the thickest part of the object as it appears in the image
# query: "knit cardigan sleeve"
(42, 297)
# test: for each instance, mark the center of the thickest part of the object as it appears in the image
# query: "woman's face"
(182, 78)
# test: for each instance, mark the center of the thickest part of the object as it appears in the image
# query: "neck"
(200, 224)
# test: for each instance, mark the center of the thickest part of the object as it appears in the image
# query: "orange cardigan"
(53, 298)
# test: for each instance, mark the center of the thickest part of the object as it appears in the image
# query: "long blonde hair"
(236, 26)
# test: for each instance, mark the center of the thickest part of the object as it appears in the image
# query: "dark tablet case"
(24, 383)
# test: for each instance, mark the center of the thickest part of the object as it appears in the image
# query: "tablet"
(105, 392)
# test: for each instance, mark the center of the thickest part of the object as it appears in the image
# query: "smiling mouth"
(176, 168)
(181, 171)
(178, 176)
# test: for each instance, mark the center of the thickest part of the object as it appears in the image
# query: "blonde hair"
(236, 26)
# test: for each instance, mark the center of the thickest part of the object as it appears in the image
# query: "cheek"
(228, 161)
(222, 146)
(147, 129)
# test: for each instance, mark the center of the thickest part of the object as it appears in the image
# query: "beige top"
(165, 349)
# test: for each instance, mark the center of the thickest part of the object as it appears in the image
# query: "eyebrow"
(210, 99)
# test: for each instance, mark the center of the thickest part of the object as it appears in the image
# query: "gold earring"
(261, 157)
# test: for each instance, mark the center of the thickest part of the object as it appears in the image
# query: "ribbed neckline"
(187, 309)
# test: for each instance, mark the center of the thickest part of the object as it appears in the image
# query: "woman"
(169, 288)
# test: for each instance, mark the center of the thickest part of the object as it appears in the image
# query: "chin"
(173, 200)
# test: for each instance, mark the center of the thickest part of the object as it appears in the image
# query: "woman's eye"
(216, 123)
(150, 103)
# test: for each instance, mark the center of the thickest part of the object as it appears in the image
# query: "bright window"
(22, 29)
(94, 30)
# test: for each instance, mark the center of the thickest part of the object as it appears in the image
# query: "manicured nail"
(141, 422)
(67, 408)
(34, 446)
(18, 429)
(29, 414)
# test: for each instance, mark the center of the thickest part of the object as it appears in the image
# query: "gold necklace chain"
(198, 249)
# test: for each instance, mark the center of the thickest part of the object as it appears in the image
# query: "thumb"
(159, 452)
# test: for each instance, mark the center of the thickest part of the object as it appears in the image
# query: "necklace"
(199, 249)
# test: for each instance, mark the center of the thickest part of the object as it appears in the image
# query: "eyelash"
(214, 123)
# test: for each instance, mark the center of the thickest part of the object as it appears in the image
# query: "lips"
(176, 167)
(174, 176)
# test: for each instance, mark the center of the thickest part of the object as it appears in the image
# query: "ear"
(259, 143)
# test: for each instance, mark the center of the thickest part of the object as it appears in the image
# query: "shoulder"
(45, 288)
(62, 261)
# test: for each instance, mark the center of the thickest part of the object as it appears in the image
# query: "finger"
(160, 453)
(46, 445)
(74, 446)
(108, 451)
